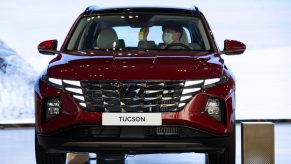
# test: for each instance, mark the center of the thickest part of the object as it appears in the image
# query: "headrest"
(120, 44)
(146, 45)
(184, 38)
(106, 38)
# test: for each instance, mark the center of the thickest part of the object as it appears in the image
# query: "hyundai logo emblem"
(131, 91)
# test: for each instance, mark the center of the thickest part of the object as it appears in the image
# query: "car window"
(123, 33)
(155, 33)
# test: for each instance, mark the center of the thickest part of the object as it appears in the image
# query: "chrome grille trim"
(134, 96)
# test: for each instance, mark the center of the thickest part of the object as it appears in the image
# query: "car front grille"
(134, 96)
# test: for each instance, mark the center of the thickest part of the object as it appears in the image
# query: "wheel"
(227, 157)
(110, 159)
(42, 157)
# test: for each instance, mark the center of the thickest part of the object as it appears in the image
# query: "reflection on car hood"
(135, 65)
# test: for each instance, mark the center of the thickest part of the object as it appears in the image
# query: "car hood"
(139, 65)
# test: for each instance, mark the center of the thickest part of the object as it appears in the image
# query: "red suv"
(137, 80)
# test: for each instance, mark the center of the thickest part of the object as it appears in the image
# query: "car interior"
(123, 35)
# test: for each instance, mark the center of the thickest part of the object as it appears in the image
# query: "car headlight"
(208, 83)
(215, 108)
(55, 81)
(58, 83)
(72, 86)
(191, 87)
(53, 108)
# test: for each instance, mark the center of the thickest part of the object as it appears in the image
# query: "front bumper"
(193, 115)
(200, 132)
(130, 140)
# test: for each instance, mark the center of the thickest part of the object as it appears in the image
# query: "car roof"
(129, 9)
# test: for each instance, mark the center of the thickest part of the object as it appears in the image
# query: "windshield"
(139, 32)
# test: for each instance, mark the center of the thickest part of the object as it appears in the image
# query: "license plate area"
(131, 119)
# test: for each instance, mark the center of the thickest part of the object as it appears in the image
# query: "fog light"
(213, 108)
(53, 108)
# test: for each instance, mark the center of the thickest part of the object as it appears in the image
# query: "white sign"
(132, 119)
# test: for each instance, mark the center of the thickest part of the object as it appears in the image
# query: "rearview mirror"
(48, 47)
(233, 47)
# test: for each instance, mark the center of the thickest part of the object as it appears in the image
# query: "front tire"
(228, 156)
(42, 157)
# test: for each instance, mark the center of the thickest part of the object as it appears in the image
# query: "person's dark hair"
(173, 26)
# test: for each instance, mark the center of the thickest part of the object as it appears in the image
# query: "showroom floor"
(17, 147)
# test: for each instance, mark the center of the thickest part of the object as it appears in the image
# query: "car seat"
(107, 39)
(143, 44)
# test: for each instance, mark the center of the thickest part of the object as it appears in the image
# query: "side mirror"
(48, 47)
(233, 47)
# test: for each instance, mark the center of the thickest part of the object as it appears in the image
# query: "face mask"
(168, 37)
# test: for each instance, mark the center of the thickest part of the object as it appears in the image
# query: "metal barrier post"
(258, 146)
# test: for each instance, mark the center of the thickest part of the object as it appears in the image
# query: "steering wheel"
(178, 44)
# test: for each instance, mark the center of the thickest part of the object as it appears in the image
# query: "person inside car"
(173, 34)
(143, 34)
(173, 37)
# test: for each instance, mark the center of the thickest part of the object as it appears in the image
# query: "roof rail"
(90, 9)
(196, 10)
